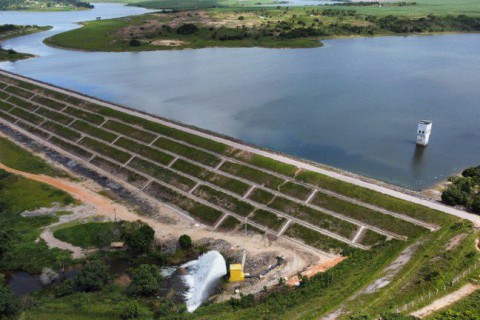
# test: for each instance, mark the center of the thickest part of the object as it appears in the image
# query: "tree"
(138, 236)
(454, 196)
(93, 276)
(65, 288)
(8, 303)
(146, 280)
(187, 28)
(134, 42)
(472, 172)
(185, 242)
(476, 205)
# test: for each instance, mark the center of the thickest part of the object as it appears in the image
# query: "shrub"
(130, 310)
(8, 303)
(65, 288)
(187, 28)
(476, 205)
(93, 276)
(241, 18)
(134, 43)
(185, 242)
(454, 196)
(146, 280)
(138, 236)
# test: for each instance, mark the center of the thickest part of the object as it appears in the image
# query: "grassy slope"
(18, 158)
(92, 234)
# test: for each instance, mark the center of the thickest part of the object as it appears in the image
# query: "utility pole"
(115, 214)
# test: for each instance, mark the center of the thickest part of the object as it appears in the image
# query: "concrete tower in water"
(423, 132)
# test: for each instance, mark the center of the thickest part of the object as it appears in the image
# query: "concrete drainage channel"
(208, 185)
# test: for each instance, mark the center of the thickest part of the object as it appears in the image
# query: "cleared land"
(208, 179)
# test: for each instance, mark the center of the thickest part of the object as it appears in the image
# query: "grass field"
(18, 158)
(20, 250)
(89, 235)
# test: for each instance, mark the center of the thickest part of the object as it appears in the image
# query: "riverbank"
(267, 28)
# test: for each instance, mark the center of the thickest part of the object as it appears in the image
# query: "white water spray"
(203, 275)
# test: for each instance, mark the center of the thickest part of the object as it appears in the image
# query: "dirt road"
(446, 301)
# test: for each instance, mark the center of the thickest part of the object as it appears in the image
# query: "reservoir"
(352, 104)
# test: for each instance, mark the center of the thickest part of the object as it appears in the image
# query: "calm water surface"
(352, 104)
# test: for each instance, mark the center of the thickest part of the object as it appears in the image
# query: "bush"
(65, 288)
(93, 276)
(185, 242)
(134, 43)
(187, 28)
(138, 236)
(146, 280)
(8, 303)
(130, 310)
(454, 196)
(476, 205)
(241, 18)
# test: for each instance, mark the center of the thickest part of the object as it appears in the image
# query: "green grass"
(374, 218)
(93, 131)
(18, 194)
(201, 212)
(27, 116)
(121, 172)
(229, 224)
(266, 163)
(166, 175)
(187, 152)
(89, 117)
(52, 115)
(105, 150)
(7, 117)
(107, 304)
(72, 148)
(295, 190)
(22, 103)
(89, 235)
(18, 158)
(369, 196)
(223, 200)
(61, 131)
(315, 217)
(129, 131)
(253, 175)
(143, 150)
(315, 239)
(49, 102)
(371, 238)
(261, 196)
(222, 181)
(19, 92)
(268, 219)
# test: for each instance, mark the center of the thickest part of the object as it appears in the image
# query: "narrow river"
(352, 104)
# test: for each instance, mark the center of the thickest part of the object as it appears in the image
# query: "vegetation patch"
(166, 175)
(36, 131)
(370, 238)
(90, 235)
(84, 115)
(253, 175)
(372, 217)
(187, 152)
(223, 200)
(52, 115)
(120, 172)
(146, 151)
(465, 190)
(261, 196)
(318, 218)
(93, 131)
(229, 224)
(27, 116)
(129, 131)
(106, 150)
(266, 163)
(53, 104)
(61, 131)
(315, 239)
(295, 190)
(72, 148)
(268, 219)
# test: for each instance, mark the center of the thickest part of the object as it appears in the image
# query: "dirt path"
(447, 300)
(53, 242)
(376, 186)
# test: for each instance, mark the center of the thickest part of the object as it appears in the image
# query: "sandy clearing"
(313, 270)
(52, 242)
(169, 43)
(446, 301)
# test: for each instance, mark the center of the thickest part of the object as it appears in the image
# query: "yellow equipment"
(236, 273)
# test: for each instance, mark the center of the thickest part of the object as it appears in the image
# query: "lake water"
(352, 104)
